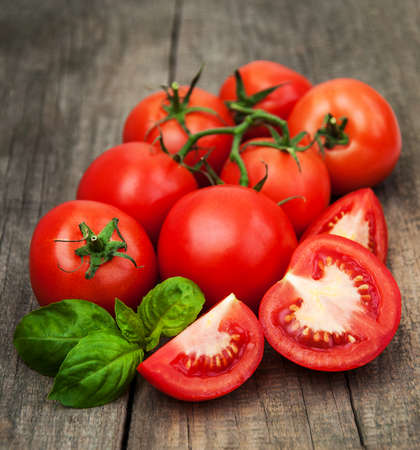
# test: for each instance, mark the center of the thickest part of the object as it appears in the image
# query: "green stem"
(238, 131)
(176, 104)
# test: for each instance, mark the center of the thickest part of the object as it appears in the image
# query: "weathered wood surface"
(69, 73)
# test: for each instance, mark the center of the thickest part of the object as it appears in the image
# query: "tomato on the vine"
(149, 119)
(226, 239)
(362, 149)
(260, 75)
(210, 358)
(138, 178)
(357, 216)
(309, 182)
(337, 307)
(91, 251)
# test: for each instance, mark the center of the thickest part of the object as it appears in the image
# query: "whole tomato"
(227, 239)
(309, 182)
(86, 250)
(260, 75)
(163, 112)
(138, 178)
(362, 150)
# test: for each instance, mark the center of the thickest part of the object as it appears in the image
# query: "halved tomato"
(337, 307)
(357, 216)
(210, 358)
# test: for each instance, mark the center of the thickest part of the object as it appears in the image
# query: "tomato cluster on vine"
(233, 192)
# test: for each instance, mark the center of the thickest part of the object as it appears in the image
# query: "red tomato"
(337, 307)
(357, 216)
(210, 358)
(57, 273)
(374, 135)
(226, 239)
(144, 124)
(260, 75)
(311, 183)
(140, 179)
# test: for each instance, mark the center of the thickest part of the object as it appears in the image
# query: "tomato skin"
(139, 179)
(259, 75)
(285, 180)
(363, 200)
(159, 369)
(373, 130)
(375, 329)
(53, 264)
(143, 124)
(226, 239)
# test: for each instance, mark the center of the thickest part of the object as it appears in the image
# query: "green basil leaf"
(169, 308)
(45, 336)
(129, 322)
(96, 371)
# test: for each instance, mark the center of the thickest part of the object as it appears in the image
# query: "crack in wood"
(356, 419)
(175, 32)
(128, 417)
(306, 413)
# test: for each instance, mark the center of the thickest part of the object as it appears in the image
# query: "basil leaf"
(45, 336)
(169, 308)
(129, 322)
(96, 371)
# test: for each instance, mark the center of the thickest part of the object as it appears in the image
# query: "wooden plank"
(69, 74)
(284, 406)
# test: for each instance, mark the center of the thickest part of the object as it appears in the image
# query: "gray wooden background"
(70, 71)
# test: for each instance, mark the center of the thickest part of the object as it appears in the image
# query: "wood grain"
(69, 74)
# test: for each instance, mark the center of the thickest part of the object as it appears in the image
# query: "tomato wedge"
(357, 216)
(337, 307)
(210, 358)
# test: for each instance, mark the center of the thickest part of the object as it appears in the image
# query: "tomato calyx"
(177, 108)
(284, 143)
(245, 100)
(333, 132)
(99, 247)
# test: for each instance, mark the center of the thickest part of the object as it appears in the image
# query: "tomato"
(260, 75)
(311, 183)
(58, 273)
(337, 307)
(226, 239)
(374, 144)
(145, 123)
(212, 357)
(139, 179)
(357, 216)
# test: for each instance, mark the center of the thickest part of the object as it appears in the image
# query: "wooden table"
(69, 74)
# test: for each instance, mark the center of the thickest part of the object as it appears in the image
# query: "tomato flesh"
(337, 307)
(357, 216)
(210, 358)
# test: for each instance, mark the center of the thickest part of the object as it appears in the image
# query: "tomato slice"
(357, 216)
(210, 358)
(337, 307)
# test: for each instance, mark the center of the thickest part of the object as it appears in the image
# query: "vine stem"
(238, 131)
